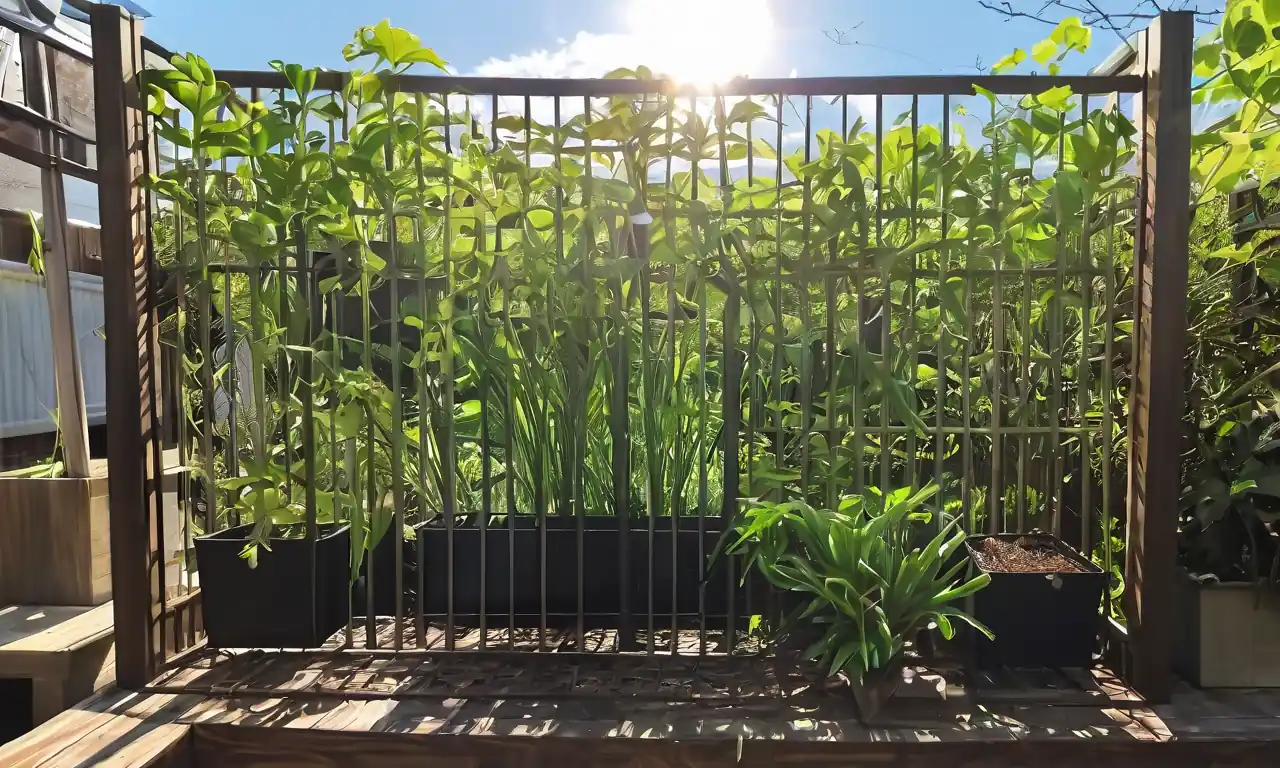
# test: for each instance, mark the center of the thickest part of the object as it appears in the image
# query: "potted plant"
(1228, 611)
(864, 589)
(1043, 602)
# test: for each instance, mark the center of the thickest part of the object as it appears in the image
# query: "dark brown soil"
(1024, 555)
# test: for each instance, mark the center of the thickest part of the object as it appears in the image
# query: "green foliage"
(859, 576)
(899, 306)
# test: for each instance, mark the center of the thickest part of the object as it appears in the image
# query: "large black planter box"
(1039, 619)
(276, 604)
(601, 565)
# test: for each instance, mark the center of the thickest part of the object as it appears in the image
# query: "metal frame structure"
(153, 625)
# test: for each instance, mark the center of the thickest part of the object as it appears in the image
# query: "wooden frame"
(132, 347)
(1159, 344)
(1160, 299)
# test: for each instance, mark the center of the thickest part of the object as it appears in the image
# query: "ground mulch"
(1023, 555)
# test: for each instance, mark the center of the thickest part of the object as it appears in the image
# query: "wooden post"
(1159, 345)
(66, 356)
(132, 352)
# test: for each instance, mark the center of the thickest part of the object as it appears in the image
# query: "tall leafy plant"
(859, 575)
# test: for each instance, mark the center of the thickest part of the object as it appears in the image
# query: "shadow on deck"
(498, 708)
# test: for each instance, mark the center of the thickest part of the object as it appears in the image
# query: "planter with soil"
(1043, 602)
(602, 567)
(276, 604)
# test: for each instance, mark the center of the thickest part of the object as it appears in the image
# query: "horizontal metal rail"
(923, 85)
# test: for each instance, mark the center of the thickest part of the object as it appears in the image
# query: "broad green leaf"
(1009, 62)
(1044, 50)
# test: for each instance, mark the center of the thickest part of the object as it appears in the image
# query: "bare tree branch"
(1092, 14)
(841, 36)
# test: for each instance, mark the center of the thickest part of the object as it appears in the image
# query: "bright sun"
(702, 41)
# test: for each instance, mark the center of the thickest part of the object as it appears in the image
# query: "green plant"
(860, 574)
(891, 303)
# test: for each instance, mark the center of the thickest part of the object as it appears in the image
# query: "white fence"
(27, 390)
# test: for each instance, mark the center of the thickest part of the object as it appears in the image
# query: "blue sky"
(558, 37)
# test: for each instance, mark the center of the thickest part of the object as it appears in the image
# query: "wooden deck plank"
(35, 640)
(121, 735)
(272, 709)
(62, 731)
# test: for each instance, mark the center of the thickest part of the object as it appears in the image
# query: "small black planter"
(1039, 619)
(601, 566)
(274, 605)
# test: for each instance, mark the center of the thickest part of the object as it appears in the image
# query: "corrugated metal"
(27, 391)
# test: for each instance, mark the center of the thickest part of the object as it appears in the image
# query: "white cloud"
(587, 55)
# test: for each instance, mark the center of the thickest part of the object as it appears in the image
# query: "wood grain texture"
(55, 541)
(1199, 728)
(1159, 346)
(133, 357)
(41, 94)
(236, 747)
(67, 652)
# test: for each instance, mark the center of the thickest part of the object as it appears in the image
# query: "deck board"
(297, 709)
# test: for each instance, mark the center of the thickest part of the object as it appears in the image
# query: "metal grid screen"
(536, 343)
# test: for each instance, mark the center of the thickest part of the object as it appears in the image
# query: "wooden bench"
(68, 653)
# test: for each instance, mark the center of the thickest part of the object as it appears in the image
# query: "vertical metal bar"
(1108, 331)
(886, 309)
(486, 459)
(621, 465)
(731, 380)
(397, 406)
(339, 298)
(231, 383)
(204, 299)
(647, 381)
(695, 170)
(674, 376)
(909, 321)
(859, 302)
(580, 636)
(618, 417)
(966, 386)
(996, 493)
(802, 290)
(944, 335)
(306, 282)
(371, 495)
(506, 310)
(1027, 400)
(446, 446)
(779, 328)
(752, 369)
(420, 238)
(1053, 489)
(1083, 394)
(284, 384)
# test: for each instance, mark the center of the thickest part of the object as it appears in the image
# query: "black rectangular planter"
(274, 605)
(1039, 619)
(602, 561)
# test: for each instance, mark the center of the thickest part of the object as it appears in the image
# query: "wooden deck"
(569, 710)
(66, 652)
